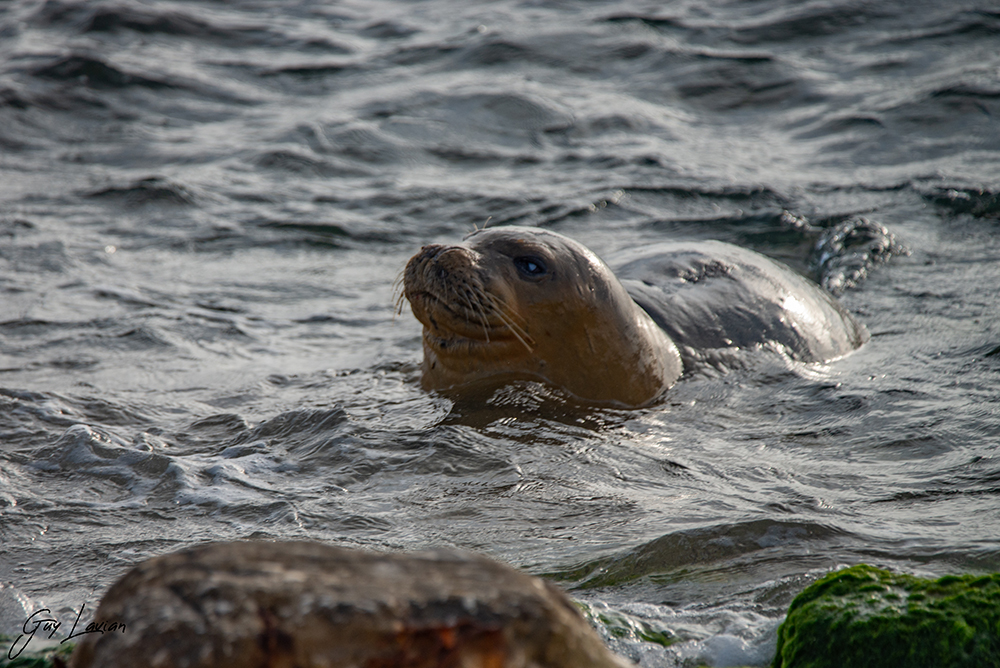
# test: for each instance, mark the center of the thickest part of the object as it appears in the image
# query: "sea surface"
(205, 208)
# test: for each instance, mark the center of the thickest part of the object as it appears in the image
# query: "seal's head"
(522, 303)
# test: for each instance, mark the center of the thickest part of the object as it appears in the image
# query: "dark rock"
(309, 605)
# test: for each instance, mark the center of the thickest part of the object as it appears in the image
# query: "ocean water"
(204, 208)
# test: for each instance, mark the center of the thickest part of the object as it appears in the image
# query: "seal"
(524, 303)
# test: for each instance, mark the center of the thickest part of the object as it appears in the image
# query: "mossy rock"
(50, 655)
(624, 626)
(866, 617)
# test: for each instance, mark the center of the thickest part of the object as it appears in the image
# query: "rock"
(48, 655)
(310, 605)
(865, 617)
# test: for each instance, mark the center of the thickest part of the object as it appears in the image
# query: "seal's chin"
(449, 344)
(448, 332)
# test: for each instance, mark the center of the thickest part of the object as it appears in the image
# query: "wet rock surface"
(312, 605)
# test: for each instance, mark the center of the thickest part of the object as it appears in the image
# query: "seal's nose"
(431, 251)
(430, 254)
(428, 258)
(436, 264)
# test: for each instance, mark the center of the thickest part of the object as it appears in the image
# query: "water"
(205, 207)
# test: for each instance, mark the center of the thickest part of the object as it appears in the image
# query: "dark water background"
(204, 206)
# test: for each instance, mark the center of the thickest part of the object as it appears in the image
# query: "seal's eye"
(530, 266)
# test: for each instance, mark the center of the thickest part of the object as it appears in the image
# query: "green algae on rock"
(866, 617)
(621, 625)
(50, 655)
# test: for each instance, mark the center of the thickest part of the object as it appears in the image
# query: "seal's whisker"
(497, 308)
(512, 319)
(518, 333)
(398, 293)
(486, 305)
(471, 307)
(480, 310)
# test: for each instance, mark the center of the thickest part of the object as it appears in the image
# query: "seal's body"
(515, 302)
(709, 294)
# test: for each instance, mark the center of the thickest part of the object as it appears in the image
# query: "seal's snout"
(431, 268)
(428, 257)
(451, 293)
(430, 251)
(436, 277)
